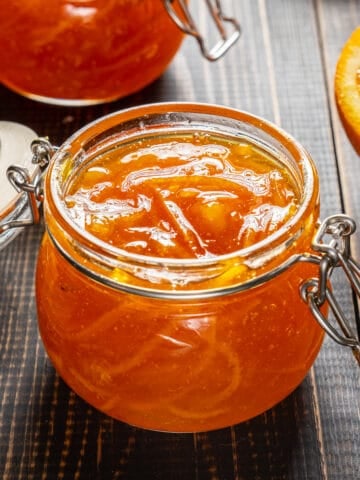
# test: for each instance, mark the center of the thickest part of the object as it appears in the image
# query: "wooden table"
(281, 69)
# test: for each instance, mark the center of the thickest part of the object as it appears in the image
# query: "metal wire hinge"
(228, 28)
(30, 184)
(317, 291)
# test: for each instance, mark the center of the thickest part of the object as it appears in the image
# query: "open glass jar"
(177, 343)
(81, 52)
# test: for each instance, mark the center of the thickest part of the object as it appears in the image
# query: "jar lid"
(15, 149)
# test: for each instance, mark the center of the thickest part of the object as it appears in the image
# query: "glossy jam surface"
(190, 197)
(84, 50)
(172, 364)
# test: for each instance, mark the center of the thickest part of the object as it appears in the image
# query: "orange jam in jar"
(80, 52)
(168, 278)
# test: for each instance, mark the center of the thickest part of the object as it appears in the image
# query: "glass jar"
(166, 344)
(80, 52)
(185, 344)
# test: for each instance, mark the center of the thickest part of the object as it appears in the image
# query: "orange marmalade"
(84, 51)
(156, 298)
(183, 197)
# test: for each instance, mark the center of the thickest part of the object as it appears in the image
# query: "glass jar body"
(85, 52)
(172, 365)
(168, 345)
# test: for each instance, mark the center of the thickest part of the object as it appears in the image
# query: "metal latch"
(227, 27)
(317, 291)
(32, 186)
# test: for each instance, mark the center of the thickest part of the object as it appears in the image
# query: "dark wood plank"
(342, 418)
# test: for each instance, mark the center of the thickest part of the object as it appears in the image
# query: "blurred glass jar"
(81, 52)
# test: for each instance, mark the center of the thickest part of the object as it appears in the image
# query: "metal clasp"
(31, 185)
(317, 291)
(222, 23)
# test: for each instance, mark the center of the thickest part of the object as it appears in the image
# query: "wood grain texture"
(281, 69)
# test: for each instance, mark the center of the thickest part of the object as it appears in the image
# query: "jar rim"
(92, 132)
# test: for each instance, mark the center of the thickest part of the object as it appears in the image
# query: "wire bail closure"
(32, 186)
(316, 291)
(222, 23)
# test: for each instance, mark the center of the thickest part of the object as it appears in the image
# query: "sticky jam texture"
(190, 197)
(179, 365)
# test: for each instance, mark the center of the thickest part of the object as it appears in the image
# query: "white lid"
(15, 149)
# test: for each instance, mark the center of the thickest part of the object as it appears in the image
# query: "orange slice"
(347, 88)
